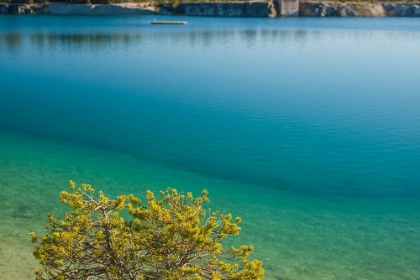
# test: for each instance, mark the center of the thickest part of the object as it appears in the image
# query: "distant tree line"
(177, 2)
(77, 1)
(152, 2)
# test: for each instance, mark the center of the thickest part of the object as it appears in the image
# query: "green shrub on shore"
(170, 238)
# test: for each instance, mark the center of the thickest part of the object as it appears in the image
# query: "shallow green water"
(308, 129)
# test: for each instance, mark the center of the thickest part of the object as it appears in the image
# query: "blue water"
(308, 128)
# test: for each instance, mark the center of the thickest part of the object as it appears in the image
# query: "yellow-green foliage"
(169, 238)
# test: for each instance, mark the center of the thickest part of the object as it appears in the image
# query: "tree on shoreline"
(171, 238)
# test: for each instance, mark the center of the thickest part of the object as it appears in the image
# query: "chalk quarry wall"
(334, 9)
(226, 9)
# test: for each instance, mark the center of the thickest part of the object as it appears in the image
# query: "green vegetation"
(172, 238)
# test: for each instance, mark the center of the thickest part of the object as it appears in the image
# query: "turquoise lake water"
(309, 129)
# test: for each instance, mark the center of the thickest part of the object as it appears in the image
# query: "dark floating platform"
(168, 22)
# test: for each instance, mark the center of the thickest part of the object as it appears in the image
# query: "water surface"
(307, 128)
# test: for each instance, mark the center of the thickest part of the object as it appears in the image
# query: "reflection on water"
(70, 41)
(42, 41)
(14, 42)
(95, 42)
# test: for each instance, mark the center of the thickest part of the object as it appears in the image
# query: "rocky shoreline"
(220, 9)
(77, 9)
(227, 9)
(351, 9)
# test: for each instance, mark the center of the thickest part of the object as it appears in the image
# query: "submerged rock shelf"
(225, 9)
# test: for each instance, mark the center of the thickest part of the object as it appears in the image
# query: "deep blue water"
(325, 111)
